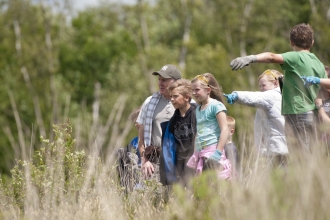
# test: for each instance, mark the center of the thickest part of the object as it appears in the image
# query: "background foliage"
(95, 68)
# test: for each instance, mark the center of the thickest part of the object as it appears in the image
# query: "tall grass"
(61, 182)
(73, 177)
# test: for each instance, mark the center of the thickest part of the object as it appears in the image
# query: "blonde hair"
(231, 122)
(135, 114)
(271, 75)
(184, 87)
(208, 80)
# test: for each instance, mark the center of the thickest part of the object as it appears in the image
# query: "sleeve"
(219, 107)
(142, 115)
(290, 60)
(263, 100)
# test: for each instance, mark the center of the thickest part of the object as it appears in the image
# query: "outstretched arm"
(266, 57)
(269, 57)
(313, 80)
(325, 83)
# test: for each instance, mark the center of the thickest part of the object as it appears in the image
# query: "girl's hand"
(310, 80)
(231, 98)
(216, 156)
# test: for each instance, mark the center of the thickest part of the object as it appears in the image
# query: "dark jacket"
(184, 130)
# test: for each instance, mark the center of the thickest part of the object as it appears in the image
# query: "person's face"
(163, 83)
(199, 92)
(178, 100)
(265, 84)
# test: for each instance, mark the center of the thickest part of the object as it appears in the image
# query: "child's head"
(210, 84)
(231, 124)
(180, 92)
(231, 128)
(302, 36)
(268, 80)
(134, 115)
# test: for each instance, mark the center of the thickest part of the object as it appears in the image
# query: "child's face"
(178, 100)
(265, 84)
(199, 92)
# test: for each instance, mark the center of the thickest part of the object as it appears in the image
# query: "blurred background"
(91, 61)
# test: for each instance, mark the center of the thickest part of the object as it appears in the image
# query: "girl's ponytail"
(216, 90)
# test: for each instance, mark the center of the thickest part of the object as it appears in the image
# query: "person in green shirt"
(298, 100)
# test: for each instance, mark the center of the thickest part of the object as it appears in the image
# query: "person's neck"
(184, 109)
(229, 139)
(168, 97)
(206, 102)
(298, 49)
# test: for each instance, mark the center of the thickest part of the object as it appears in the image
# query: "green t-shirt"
(297, 98)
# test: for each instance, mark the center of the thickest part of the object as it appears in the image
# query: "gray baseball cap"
(168, 71)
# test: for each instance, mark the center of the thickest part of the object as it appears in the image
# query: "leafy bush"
(57, 169)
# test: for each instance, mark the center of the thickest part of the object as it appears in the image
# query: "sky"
(82, 4)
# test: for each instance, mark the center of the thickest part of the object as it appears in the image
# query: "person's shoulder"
(290, 54)
(147, 99)
(193, 106)
(231, 144)
(313, 56)
(215, 102)
(217, 106)
(276, 91)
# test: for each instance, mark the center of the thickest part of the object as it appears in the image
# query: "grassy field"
(60, 182)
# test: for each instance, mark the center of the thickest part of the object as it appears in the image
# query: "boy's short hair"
(184, 86)
(230, 122)
(302, 35)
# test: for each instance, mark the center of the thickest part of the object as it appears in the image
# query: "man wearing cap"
(155, 110)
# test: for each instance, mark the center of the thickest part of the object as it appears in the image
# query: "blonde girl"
(212, 128)
(269, 135)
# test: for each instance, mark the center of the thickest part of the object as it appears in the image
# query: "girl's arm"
(222, 121)
(263, 100)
